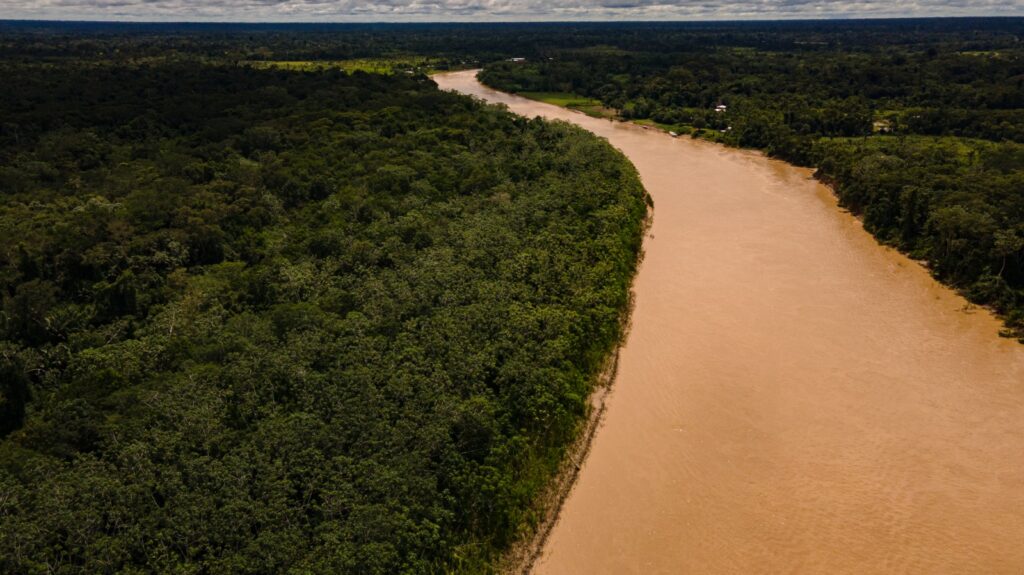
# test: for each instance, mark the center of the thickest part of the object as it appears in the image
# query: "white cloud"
(492, 10)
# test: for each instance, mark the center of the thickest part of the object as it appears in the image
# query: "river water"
(792, 397)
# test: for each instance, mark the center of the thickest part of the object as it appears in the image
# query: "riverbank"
(791, 395)
(836, 163)
(522, 556)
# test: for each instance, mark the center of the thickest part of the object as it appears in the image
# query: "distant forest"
(273, 303)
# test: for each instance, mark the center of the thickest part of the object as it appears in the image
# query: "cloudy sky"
(492, 10)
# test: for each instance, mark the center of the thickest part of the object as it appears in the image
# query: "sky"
(492, 10)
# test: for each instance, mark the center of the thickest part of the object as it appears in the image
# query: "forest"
(917, 125)
(268, 321)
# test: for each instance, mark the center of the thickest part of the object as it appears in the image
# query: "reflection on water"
(792, 398)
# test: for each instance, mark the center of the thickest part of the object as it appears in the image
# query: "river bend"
(792, 397)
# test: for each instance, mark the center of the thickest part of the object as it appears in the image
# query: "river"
(792, 397)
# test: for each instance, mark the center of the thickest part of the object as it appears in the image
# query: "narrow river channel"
(792, 397)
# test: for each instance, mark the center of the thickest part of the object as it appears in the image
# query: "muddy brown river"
(792, 397)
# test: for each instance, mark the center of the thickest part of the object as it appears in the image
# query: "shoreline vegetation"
(574, 103)
(945, 195)
(588, 106)
(522, 554)
(409, 65)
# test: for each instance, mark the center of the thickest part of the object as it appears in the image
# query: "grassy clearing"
(677, 128)
(563, 99)
(598, 111)
(593, 107)
(589, 106)
(385, 66)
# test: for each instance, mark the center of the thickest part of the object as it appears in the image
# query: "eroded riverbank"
(792, 397)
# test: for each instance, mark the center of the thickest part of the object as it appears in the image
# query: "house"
(517, 59)
(720, 108)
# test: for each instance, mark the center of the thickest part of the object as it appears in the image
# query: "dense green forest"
(918, 126)
(268, 321)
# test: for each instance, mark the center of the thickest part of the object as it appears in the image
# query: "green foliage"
(561, 99)
(949, 201)
(265, 321)
(393, 65)
(917, 133)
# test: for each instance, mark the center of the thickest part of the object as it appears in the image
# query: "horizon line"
(854, 18)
